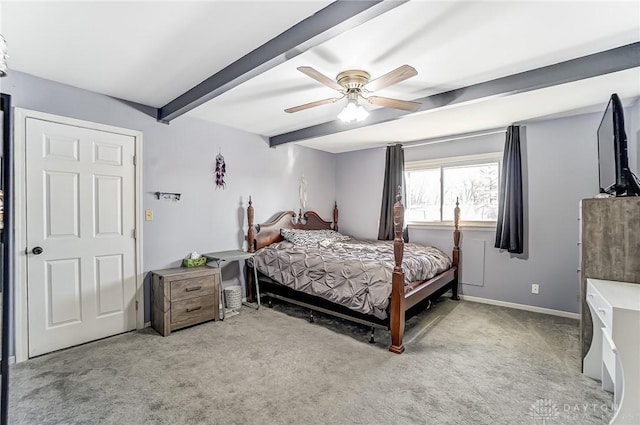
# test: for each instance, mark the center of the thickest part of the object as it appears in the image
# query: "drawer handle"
(602, 310)
(193, 288)
(189, 310)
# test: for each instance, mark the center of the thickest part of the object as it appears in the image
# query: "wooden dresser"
(610, 238)
(183, 297)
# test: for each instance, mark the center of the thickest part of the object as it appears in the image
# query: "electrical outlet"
(148, 215)
(535, 288)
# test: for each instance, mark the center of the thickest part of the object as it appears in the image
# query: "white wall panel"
(64, 303)
(104, 153)
(61, 148)
(61, 201)
(108, 208)
(109, 284)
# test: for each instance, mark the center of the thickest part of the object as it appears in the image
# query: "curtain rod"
(450, 139)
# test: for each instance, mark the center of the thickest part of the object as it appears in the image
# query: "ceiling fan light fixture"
(353, 112)
(356, 83)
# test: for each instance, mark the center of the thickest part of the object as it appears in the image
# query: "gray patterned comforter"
(355, 274)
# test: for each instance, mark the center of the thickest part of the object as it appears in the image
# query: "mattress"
(355, 274)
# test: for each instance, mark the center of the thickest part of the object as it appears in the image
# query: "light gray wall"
(359, 182)
(180, 157)
(560, 160)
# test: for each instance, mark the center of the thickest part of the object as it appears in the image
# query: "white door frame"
(21, 317)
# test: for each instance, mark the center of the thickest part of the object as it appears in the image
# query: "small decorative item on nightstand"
(194, 260)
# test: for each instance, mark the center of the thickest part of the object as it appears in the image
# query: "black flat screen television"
(613, 162)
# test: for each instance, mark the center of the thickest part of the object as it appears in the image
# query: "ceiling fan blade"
(312, 104)
(394, 103)
(391, 78)
(319, 77)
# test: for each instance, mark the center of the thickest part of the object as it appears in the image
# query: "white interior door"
(80, 235)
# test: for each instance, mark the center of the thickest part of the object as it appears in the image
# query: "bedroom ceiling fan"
(354, 84)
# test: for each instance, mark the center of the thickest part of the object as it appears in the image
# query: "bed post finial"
(456, 214)
(397, 283)
(456, 250)
(398, 225)
(335, 216)
(250, 230)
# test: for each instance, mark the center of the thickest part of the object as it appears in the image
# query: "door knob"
(37, 250)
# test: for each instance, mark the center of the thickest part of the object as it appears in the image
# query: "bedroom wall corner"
(561, 162)
(180, 158)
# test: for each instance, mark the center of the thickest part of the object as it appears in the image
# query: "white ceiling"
(148, 52)
(151, 52)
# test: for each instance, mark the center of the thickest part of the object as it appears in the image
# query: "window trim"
(454, 161)
(486, 226)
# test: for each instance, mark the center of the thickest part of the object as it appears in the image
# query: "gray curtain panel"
(509, 229)
(393, 177)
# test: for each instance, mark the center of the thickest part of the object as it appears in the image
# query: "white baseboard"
(522, 307)
(147, 324)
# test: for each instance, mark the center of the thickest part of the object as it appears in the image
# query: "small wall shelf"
(168, 195)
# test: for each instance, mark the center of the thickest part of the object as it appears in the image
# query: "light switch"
(148, 215)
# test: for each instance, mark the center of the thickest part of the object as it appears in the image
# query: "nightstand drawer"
(192, 310)
(192, 287)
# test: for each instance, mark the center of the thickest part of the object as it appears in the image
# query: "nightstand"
(183, 297)
(236, 255)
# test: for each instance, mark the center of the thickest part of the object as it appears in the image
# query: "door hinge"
(135, 160)
(136, 305)
(134, 234)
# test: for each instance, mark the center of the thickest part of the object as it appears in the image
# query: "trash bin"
(233, 297)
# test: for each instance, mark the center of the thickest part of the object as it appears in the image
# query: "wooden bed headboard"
(261, 235)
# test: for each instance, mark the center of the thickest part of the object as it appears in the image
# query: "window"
(433, 185)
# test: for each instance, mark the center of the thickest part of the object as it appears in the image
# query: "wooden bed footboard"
(398, 308)
(404, 297)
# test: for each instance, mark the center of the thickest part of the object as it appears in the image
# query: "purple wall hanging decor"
(221, 171)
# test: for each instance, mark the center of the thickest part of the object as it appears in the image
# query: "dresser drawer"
(192, 311)
(600, 306)
(193, 287)
(609, 354)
